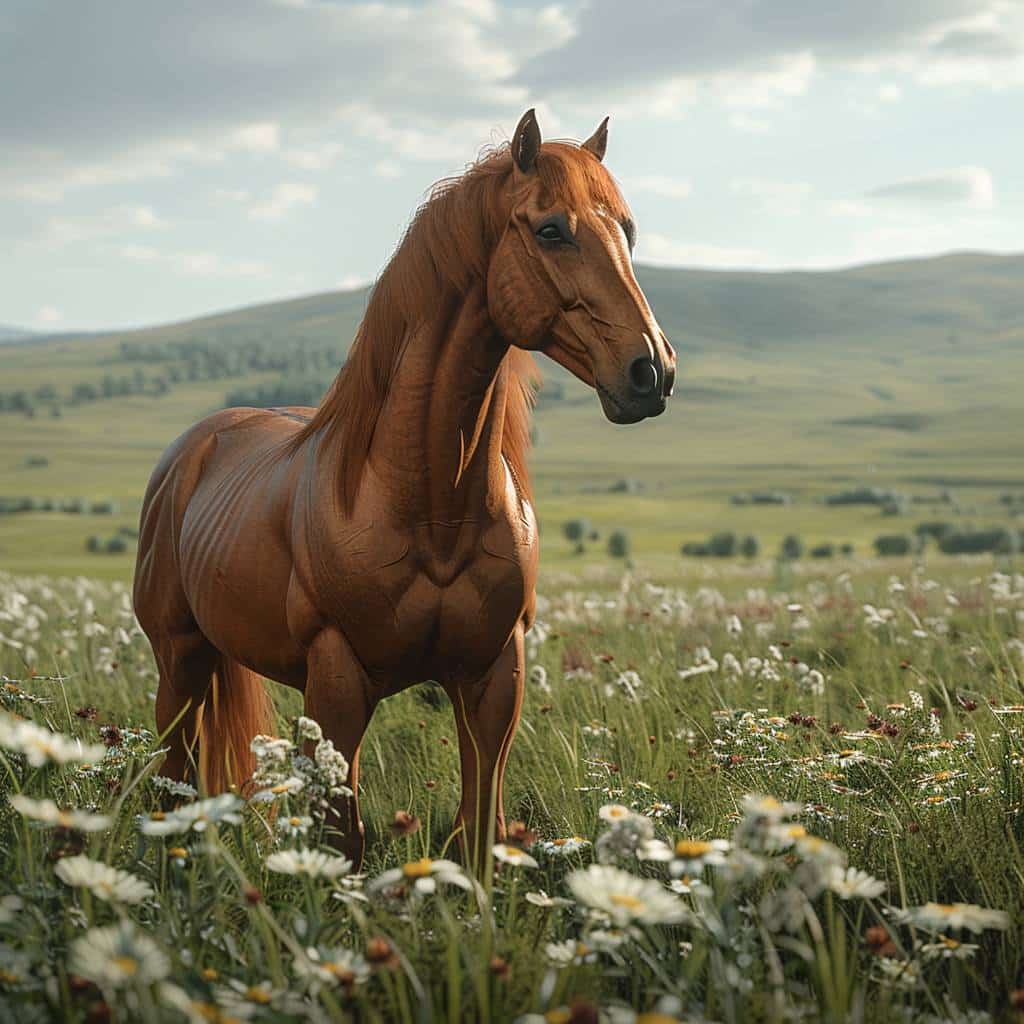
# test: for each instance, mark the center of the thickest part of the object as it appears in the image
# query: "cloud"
(963, 186)
(659, 185)
(168, 83)
(755, 52)
(282, 200)
(259, 137)
(660, 250)
(201, 263)
(48, 315)
(122, 220)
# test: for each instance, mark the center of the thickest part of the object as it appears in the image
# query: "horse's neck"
(436, 449)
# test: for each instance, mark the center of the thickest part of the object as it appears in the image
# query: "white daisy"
(624, 898)
(853, 884)
(313, 863)
(513, 855)
(563, 847)
(422, 875)
(49, 813)
(332, 968)
(541, 899)
(103, 881)
(41, 746)
(309, 729)
(194, 817)
(940, 917)
(118, 956)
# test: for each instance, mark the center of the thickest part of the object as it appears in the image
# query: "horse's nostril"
(643, 375)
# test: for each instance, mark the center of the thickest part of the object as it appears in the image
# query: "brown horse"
(387, 537)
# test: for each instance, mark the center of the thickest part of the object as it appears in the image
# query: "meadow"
(780, 793)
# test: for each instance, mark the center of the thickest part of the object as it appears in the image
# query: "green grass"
(930, 805)
(804, 383)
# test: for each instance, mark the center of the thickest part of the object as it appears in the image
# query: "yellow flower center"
(617, 812)
(157, 816)
(692, 848)
(945, 908)
(178, 851)
(512, 852)
(418, 868)
(942, 776)
(795, 832)
(126, 964)
(210, 974)
(281, 787)
(295, 822)
(948, 942)
(558, 1016)
(258, 995)
(339, 971)
(937, 799)
(622, 899)
(64, 819)
(847, 753)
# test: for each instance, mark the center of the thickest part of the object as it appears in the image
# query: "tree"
(792, 548)
(723, 545)
(619, 545)
(750, 546)
(576, 529)
(892, 544)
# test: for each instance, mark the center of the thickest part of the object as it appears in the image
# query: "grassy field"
(902, 377)
(653, 882)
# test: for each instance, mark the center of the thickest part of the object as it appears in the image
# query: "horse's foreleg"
(339, 697)
(486, 716)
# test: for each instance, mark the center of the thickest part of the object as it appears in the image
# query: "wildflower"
(380, 953)
(332, 968)
(563, 847)
(118, 956)
(194, 817)
(423, 875)
(311, 863)
(562, 954)
(624, 898)
(333, 767)
(11, 906)
(404, 824)
(309, 729)
(853, 884)
(49, 813)
(518, 834)
(289, 786)
(103, 881)
(939, 917)
(513, 855)
(296, 825)
(541, 899)
(687, 856)
(174, 788)
(41, 746)
(615, 812)
(948, 949)
(768, 807)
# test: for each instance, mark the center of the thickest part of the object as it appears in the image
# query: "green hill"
(901, 376)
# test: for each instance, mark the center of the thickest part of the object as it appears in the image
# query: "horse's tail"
(237, 707)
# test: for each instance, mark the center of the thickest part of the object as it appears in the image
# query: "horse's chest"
(444, 605)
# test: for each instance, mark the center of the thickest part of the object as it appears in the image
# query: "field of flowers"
(744, 800)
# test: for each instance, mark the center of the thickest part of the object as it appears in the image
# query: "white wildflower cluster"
(39, 746)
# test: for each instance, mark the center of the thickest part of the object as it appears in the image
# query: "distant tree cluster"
(283, 392)
(951, 539)
(761, 498)
(726, 544)
(115, 545)
(72, 506)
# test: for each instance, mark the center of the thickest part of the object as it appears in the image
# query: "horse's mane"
(447, 246)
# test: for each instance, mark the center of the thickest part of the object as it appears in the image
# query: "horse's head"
(561, 278)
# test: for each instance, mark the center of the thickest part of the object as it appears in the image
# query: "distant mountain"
(959, 298)
(13, 334)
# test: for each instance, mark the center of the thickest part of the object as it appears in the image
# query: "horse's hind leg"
(186, 661)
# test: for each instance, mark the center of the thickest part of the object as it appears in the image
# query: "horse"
(388, 536)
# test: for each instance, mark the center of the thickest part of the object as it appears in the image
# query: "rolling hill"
(899, 375)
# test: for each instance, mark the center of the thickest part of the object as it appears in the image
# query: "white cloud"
(314, 158)
(659, 185)
(258, 137)
(49, 315)
(353, 282)
(232, 195)
(202, 263)
(118, 220)
(387, 169)
(660, 250)
(962, 186)
(781, 196)
(282, 200)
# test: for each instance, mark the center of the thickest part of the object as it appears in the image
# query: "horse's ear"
(526, 142)
(598, 142)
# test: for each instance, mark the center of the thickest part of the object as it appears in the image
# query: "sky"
(163, 160)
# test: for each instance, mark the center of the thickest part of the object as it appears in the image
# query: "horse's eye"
(550, 233)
